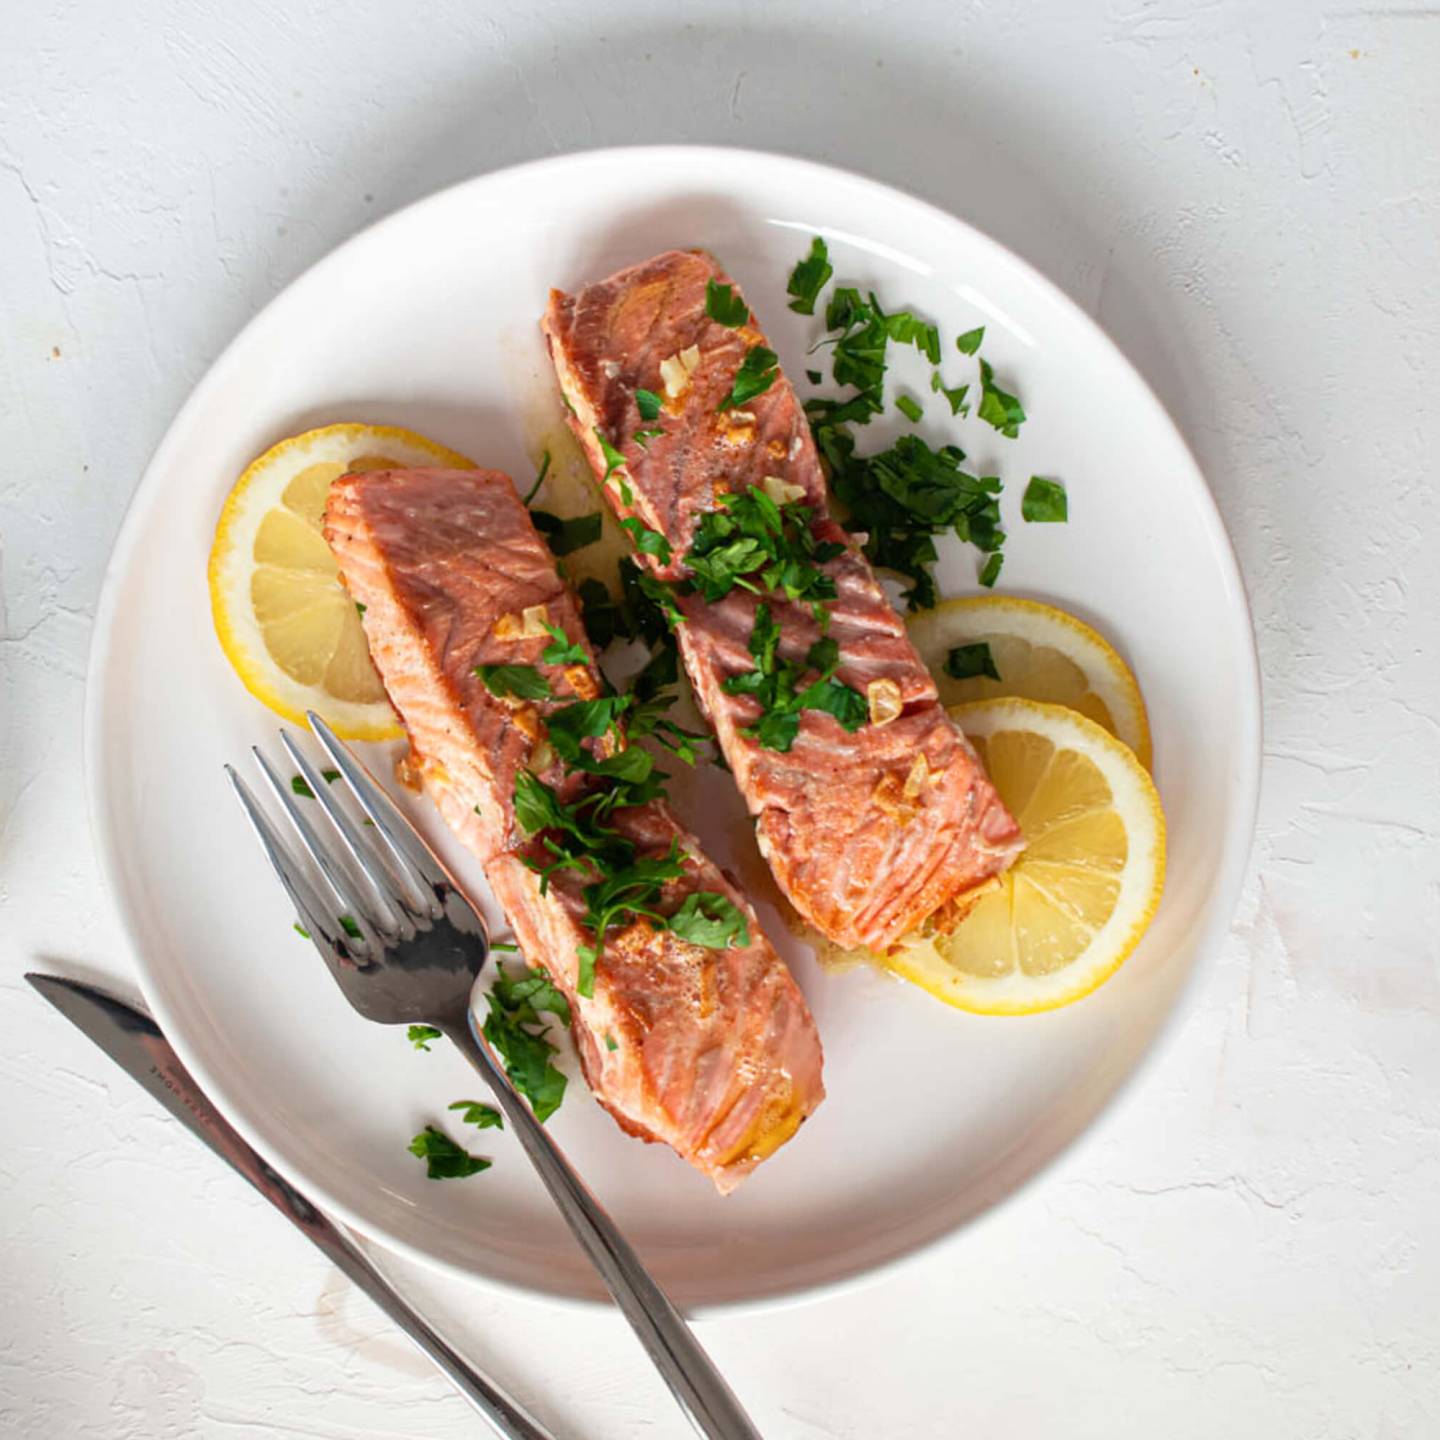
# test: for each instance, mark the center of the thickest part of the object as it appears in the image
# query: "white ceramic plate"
(429, 320)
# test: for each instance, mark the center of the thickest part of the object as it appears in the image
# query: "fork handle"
(680, 1358)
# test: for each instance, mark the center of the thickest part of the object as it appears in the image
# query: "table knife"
(135, 1042)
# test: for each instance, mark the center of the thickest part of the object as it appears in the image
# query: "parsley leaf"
(709, 919)
(483, 1117)
(809, 278)
(750, 541)
(909, 408)
(444, 1159)
(955, 397)
(1045, 502)
(300, 930)
(529, 994)
(990, 571)
(647, 541)
(301, 788)
(350, 926)
(724, 306)
(562, 650)
(647, 402)
(420, 1036)
(757, 373)
(614, 460)
(969, 342)
(526, 1054)
(610, 1042)
(565, 536)
(643, 437)
(539, 478)
(602, 617)
(965, 662)
(998, 408)
(814, 376)
(523, 682)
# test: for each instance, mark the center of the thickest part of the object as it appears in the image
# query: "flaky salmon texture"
(870, 833)
(712, 1051)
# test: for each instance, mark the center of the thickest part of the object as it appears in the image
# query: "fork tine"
(313, 912)
(419, 865)
(363, 909)
(393, 912)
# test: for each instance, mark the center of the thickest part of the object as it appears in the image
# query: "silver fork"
(405, 946)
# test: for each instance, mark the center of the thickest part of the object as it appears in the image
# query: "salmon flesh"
(869, 833)
(711, 1051)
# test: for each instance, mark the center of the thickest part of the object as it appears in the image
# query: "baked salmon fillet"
(870, 830)
(710, 1050)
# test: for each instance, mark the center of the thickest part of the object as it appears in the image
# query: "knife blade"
(136, 1043)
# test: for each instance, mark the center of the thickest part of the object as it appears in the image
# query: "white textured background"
(1248, 197)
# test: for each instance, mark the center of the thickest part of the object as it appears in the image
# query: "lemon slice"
(1041, 653)
(282, 616)
(1075, 904)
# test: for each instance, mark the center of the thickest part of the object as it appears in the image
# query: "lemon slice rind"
(921, 960)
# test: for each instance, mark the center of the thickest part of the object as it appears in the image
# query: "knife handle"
(505, 1415)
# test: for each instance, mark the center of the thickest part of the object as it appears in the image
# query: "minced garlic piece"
(582, 681)
(676, 370)
(529, 624)
(542, 757)
(885, 702)
(410, 770)
(782, 491)
(528, 722)
(915, 780)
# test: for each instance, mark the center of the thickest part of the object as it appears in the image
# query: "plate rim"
(1236, 847)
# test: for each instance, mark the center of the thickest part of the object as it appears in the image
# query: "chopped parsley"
(911, 409)
(420, 1036)
(711, 920)
(810, 277)
(614, 460)
(814, 376)
(998, 408)
(508, 946)
(904, 496)
(511, 1031)
(1045, 502)
(350, 926)
(723, 306)
(776, 685)
(562, 650)
(530, 994)
(647, 402)
(757, 373)
(300, 787)
(969, 342)
(539, 478)
(602, 616)
(966, 662)
(300, 930)
(643, 437)
(990, 571)
(750, 541)
(955, 398)
(565, 536)
(482, 1117)
(360, 609)
(610, 1042)
(444, 1159)
(521, 682)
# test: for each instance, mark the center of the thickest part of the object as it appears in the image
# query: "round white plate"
(430, 320)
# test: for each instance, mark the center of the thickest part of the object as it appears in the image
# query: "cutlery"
(406, 947)
(135, 1042)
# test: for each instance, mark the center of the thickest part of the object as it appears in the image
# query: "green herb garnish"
(809, 278)
(562, 650)
(1044, 502)
(483, 1117)
(990, 571)
(300, 787)
(955, 397)
(647, 402)
(360, 609)
(998, 408)
(444, 1159)
(565, 536)
(614, 460)
(757, 373)
(709, 919)
(909, 408)
(522, 682)
(969, 342)
(965, 662)
(602, 616)
(350, 926)
(539, 478)
(301, 931)
(610, 1042)
(420, 1036)
(647, 541)
(724, 306)
(643, 437)
(509, 947)
(526, 1054)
